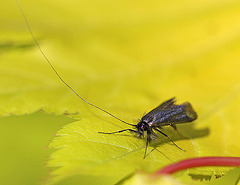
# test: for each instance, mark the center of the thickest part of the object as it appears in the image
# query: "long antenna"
(40, 49)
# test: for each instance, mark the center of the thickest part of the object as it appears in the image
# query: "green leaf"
(232, 177)
(23, 146)
(141, 178)
(126, 57)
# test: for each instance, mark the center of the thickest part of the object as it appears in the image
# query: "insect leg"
(148, 140)
(118, 131)
(175, 128)
(168, 138)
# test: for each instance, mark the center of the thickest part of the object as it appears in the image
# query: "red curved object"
(198, 162)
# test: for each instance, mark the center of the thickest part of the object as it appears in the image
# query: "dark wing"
(182, 113)
(165, 105)
(169, 112)
(189, 113)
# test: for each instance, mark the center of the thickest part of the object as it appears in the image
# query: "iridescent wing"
(170, 113)
(165, 105)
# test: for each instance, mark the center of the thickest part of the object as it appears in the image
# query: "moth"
(168, 113)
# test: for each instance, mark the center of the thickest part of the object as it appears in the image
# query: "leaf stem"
(198, 162)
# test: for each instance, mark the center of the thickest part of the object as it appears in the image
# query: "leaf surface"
(127, 58)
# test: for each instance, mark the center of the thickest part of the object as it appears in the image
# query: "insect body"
(167, 113)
